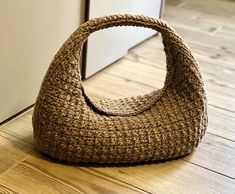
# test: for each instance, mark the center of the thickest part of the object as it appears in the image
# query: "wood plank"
(48, 176)
(93, 91)
(185, 18)
(210, 62)
(214, 41)
(217, 32)
(200, 21)
(227, 23)
(5, 190)
(12, 151)
(20, 127)
(211, 154)
(119, 86)
(26, 179)
(212, 7)
(226, 31)
(152, 52)
(223, 100)
(221, 122)
(175, 2)
(138, 72)
(171, 177)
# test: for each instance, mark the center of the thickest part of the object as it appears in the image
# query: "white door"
(105, 47)
(31, 33)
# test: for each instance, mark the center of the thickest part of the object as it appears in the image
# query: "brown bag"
(164, 124)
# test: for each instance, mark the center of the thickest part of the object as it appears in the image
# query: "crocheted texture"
(165, 124)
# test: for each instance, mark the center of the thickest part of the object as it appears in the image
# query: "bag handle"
(178, 55)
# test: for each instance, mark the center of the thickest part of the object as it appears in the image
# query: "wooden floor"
(208, 26)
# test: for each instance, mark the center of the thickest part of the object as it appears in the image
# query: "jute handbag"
(164, 124)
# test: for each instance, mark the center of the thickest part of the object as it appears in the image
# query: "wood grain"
(12, 151)
(26, 179)
(215, 153)
(5, 190)
(172, 177)
(20, 128)
(110, 85)
(221, 122)
(50, 177)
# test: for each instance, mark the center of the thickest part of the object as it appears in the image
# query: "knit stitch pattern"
(164, 124)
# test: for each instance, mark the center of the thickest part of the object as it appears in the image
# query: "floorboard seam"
(233, 178)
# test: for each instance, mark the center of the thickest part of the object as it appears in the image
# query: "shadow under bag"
(164, 124)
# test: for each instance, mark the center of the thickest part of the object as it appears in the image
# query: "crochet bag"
(164, 124)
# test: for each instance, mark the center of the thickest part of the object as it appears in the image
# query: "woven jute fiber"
(164, 124)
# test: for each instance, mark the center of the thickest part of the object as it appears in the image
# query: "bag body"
(164, 124)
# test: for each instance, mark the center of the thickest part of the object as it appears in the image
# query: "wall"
(31, 33)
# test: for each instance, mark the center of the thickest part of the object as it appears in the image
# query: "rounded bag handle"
(177, 52)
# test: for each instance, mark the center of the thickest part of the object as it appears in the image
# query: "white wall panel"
(31, 33)
(104, 47)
